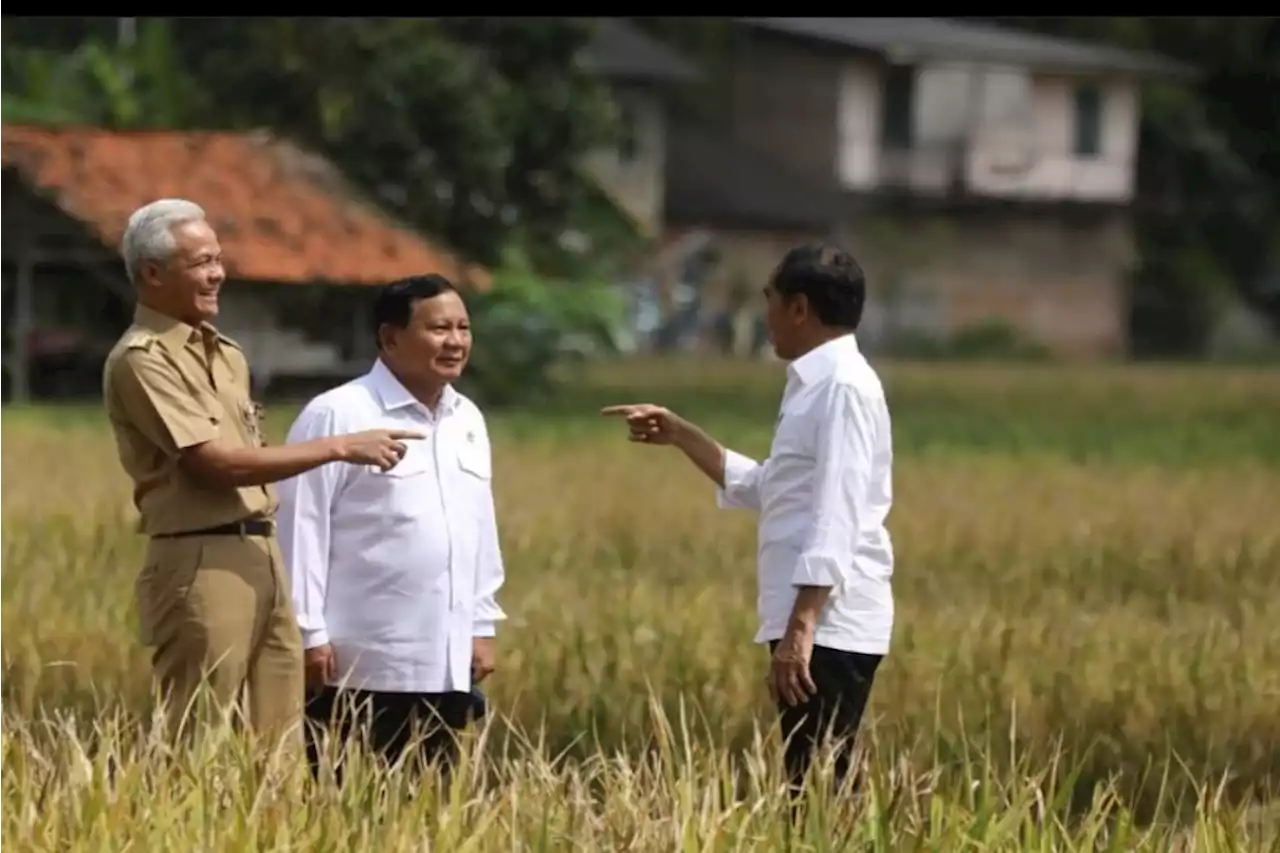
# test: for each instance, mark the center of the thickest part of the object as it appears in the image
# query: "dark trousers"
(831, 716)
(388, 724)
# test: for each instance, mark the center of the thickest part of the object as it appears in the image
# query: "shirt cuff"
(484, 628)
(818, 570)
(313, 637)
(737, 469)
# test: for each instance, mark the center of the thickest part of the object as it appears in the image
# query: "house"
(744, 209)
(980, 175)
(640, 72)
(299, 245)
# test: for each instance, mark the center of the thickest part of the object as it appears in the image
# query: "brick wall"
(1058, 282)
(1062, 285)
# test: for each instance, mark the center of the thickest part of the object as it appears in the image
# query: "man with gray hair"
(212, 596)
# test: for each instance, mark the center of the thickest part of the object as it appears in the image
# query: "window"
(1008, 102)
(1088, 141)
(897, 107)
(629, 135)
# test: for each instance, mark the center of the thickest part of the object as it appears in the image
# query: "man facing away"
(394, 573)
(211, 596)
(825, 558)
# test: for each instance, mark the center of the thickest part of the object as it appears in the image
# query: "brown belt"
(251, 527)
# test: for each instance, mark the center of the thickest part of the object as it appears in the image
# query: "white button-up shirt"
(398, 570)
(823, 496)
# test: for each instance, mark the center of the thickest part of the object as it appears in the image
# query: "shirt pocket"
(415, 463)
(399, 494)
(212, 406)
(474, 460)
(793, 437)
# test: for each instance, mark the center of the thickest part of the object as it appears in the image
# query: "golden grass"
(1086, 654)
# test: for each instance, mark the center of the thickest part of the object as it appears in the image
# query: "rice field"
(1086, 654)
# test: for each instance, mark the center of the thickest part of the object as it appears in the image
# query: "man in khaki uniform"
(212, 597)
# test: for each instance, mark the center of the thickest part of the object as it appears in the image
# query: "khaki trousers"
(217, 612)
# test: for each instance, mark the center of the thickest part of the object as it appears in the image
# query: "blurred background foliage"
(475, 129)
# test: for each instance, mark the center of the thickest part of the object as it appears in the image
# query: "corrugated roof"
(620, 50)
(282, 214)
(946, 38)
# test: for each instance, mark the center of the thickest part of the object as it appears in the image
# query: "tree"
(100, 81)
(474, 129)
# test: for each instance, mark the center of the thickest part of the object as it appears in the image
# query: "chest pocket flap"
(415, 463)
(794, 436)
(473, 458)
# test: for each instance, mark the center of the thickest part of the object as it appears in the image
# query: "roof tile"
(282, 214)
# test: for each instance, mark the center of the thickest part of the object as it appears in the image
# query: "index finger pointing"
(619, 410)
(405, 433)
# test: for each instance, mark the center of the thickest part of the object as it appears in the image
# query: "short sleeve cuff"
(484, 628)
(187, 434)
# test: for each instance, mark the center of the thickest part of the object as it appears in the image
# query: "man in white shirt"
(825, 558)
(394, 573)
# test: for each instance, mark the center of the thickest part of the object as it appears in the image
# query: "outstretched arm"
(736, 476)
(179, 423)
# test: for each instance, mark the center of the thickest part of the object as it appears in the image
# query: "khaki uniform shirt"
(169, 386)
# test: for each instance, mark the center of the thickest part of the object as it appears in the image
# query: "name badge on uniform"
(253, 414)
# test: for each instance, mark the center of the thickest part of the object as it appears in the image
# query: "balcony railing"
(932, 170)
(1003, 171)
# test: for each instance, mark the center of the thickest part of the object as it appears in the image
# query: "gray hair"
(149, 234)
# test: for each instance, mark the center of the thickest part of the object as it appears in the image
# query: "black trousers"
(388, 724)
(831, 716)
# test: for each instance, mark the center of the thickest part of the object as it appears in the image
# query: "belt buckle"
(246, 524)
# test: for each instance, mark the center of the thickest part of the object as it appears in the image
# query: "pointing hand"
(381, 447)
(648, 424)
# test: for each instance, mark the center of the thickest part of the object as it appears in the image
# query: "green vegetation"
(1085, 655)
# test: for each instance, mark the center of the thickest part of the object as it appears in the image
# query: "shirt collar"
(172, 332)
(821, 361)
(394, 395)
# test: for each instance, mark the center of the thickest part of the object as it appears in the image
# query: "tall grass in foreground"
(1086, 653)
(111, 786)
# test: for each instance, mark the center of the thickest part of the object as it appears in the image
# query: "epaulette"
(139, 339)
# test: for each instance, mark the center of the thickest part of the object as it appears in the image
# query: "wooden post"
(23, 310)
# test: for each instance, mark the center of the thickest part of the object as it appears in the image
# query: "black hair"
(829, 278)
(394, 305)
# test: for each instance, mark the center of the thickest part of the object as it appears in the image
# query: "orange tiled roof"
(282, 214)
